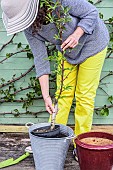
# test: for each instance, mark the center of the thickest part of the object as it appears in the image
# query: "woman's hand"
(48, 104)
(70, 42)
(73, 40)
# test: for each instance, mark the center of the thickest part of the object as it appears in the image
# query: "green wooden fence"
(19, 64)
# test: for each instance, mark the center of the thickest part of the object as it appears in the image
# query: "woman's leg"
(66, 98)
(87, 84)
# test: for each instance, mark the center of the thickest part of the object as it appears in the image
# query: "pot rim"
(91, 146)
(57, 127)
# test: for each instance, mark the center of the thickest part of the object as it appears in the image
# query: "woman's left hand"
(70, 42)
(73, 39)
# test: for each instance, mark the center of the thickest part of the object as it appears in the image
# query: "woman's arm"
(39, 51)
(42, 67)
(44, 83)
(85, 11)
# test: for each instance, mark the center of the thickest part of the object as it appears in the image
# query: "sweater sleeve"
(39, 51)
(84, 10)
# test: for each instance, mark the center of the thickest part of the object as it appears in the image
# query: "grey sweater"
(94, 40)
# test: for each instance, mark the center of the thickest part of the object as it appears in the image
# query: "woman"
(85, 34)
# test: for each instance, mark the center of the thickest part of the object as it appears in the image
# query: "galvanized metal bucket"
(50, 153)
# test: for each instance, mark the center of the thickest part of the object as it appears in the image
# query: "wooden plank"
(19, 120)
(19, 64)
(108, 65)
(33, 108)
(17, 167)
(9, 74)
(107, 89)
(108, 129)
(18, 60)
(19, 38)
(19, 55)
(104, 3)
(108, 79)
(107, 121)
(24, 129)
(101, 100)
(96, 121)
(36, 103)
(22, 120)
(11, 128)
(25, 116)
(107, 12)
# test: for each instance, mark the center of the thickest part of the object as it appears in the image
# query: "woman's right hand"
(48, 104)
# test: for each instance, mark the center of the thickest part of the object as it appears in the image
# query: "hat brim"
(22, 21)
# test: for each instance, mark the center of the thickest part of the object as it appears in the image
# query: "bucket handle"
(28, 124)
(71, 137)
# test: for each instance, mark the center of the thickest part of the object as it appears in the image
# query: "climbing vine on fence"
(9, 90)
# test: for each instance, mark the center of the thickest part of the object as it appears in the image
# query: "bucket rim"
(91, 146)
(48, 138)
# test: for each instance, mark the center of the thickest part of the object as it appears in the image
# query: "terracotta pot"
(95, 157)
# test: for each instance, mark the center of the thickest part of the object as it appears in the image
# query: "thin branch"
(109, 74)
(99, 108)
(108, 56)
(22, 89)
(18, 91)
(103, 90)
(62, 77)
(107, 22)
(11, 54)
(10, 41)
(97, 2)
(69, 73)
(19, 114)
(18, 78)
(19, 101)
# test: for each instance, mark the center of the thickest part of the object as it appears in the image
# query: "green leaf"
(101, 15)
(19, 45)
(91, 2)
(110, 99)
(104, 111)
(3, 80)
(29, 55)
(27, 47)
(16, 110)
(8, 55)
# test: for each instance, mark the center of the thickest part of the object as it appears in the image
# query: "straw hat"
(18, 14)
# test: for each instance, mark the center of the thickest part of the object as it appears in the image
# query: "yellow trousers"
(83, 80)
